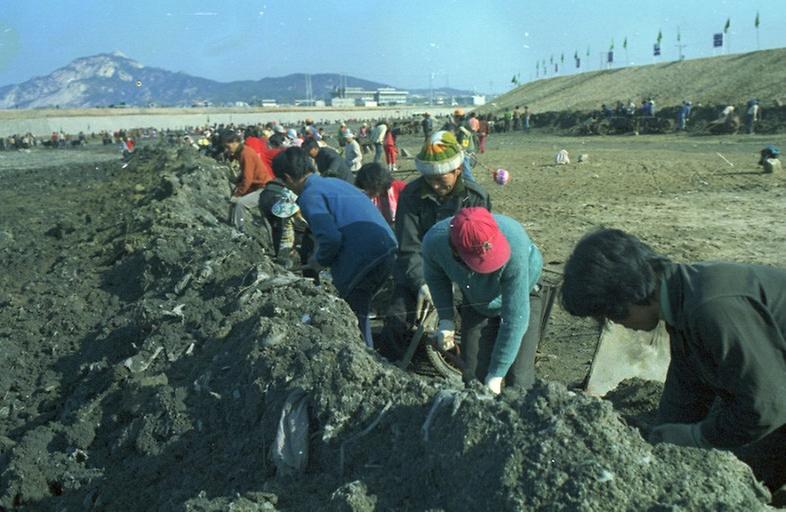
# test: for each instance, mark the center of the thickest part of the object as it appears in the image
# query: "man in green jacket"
(496, 266)
(726, 384)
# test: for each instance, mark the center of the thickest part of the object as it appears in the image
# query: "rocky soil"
(149, 351)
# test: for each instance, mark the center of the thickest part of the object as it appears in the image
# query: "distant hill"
(113, 79)
(729, 79)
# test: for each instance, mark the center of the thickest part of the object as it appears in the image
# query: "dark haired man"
(352, 237)
(726, 384)
(254, 174)
(329, 163)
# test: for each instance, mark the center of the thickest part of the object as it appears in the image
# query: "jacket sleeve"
(740, 337)
(246, 175)
(685, 399)
(409, 262)
(439, 283)
(324, 228)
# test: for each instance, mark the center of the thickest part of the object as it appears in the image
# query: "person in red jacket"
(391, 151)
(254, 174)
(261, 146)
(381, 188)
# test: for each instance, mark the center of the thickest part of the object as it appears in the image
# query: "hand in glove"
(681, 434)
(424, 298)
(494, 384)
(446, 335)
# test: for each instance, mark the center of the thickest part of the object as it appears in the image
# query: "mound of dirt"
(150, 352)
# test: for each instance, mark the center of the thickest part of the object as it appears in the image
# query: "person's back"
(331, 165)
(355, 217)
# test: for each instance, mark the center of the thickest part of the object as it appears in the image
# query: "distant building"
(342, 102)
(269, 103)
(360, 96)
(391, 96)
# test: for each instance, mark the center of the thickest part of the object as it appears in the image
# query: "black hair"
(292, 162)
(309, 144)
(374, 178)
(608, 271)
(276, 140)
(229, 135)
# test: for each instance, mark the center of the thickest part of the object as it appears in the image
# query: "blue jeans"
(467, 171)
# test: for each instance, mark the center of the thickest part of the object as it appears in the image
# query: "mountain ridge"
(114, 79)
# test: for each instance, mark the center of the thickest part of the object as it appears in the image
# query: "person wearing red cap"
(496, 266)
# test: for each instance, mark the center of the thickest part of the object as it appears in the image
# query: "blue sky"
(477, 44)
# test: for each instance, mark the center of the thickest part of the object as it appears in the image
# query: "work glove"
(681, 434)
(446, 335)
(494, 384)
(424, 299)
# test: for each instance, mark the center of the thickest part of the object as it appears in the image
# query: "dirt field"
(148, 352)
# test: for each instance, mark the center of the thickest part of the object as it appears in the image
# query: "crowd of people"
(438, 241)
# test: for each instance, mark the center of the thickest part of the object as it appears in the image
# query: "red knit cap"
(476, 237)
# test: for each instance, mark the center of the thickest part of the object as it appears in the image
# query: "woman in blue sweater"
(496, 266)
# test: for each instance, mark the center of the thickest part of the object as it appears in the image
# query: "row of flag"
(717, 41)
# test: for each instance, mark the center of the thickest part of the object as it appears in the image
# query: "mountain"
(728, 79)
(113, 79)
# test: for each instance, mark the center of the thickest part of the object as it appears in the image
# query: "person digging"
(496, 266)
(726, 383)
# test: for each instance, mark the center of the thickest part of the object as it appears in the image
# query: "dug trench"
(148, 353)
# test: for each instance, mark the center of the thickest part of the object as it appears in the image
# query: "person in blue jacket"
(352, 237)
(496, 266)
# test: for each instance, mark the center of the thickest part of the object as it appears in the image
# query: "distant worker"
(527, 115)
(352, 237)
(727, 330)
(327, 161)
(377, 137)
(391, 150)
(353, 155)
(683, 114)
(752, 115)
(427, 124)
(253, 177)
(379, 185)
(492, 260)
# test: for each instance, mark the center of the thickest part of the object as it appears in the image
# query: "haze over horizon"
(408, 44)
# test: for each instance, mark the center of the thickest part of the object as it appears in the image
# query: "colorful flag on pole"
(660, 36)
(562, 58)
(756, 23)
(727, 26)
(610, 57)
(679, 37)
(656, 49)
(611, 48)
(625, 43)
(717, 40)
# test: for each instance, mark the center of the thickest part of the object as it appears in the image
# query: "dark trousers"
(399, 319)
(767, 458)
(362, 294)
(478, 335)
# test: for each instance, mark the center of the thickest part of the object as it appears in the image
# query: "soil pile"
(149, 352)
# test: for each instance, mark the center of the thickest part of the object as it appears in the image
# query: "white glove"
(494, 384)
(446, 335)
(424, 298)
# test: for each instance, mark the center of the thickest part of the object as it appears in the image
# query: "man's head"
(230, 140)
(440, 162)
(373, 179)
(292, 167)
(311, 147)
(477, 241)
(613, 275)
